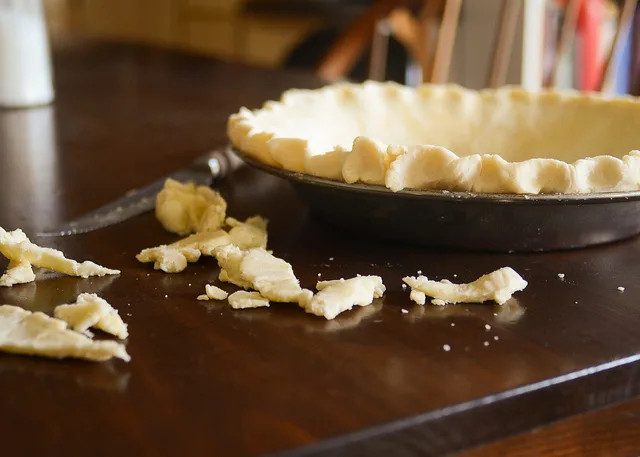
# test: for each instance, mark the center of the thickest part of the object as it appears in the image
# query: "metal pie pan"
(468, 220)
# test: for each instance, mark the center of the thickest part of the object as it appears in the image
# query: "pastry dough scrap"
(498, 286)
(270, 275)
(260, 270)
(18, 272)
(22, 253)
(213, 293)
(249, 234)
(90, 310)
(229, 258)
(169, 259)
(205, 242)
(24, 332)
(184, 208)
(173, 258)
(244, 300)
(417, 296)
(335, 297)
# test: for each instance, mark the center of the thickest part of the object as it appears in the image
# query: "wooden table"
(207, 380)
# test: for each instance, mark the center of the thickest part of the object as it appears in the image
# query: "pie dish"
(444, 137)
(463, 220)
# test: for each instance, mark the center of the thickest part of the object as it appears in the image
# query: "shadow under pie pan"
(468, 220)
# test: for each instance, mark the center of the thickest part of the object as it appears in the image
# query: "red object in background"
(590, 21)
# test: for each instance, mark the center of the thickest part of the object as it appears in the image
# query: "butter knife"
(205, 169)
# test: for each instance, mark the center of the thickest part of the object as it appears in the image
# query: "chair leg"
(567, 33)
(405, 28)
(379, 51)
(624, 23)
(343, 55)
(504, 42)
(428, 36)
(446, 40)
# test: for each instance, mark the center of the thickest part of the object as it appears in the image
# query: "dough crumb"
(621, 289)
(561, 275)
(404, 311)
(486, 343)
(487, 327)
(446, 347)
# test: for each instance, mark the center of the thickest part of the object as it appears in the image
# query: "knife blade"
(206, 168)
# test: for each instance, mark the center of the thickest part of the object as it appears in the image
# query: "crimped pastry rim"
(493, 174)
(506, 198)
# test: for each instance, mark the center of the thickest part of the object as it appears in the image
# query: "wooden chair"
(429, 37)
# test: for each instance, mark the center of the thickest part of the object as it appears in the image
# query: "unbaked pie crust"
(446, 137)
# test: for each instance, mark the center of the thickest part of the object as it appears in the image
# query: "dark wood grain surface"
(608, 432)
(207, 380)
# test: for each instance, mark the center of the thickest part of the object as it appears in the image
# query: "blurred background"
(491, 42)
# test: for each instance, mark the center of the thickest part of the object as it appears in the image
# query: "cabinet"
(220, 28)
